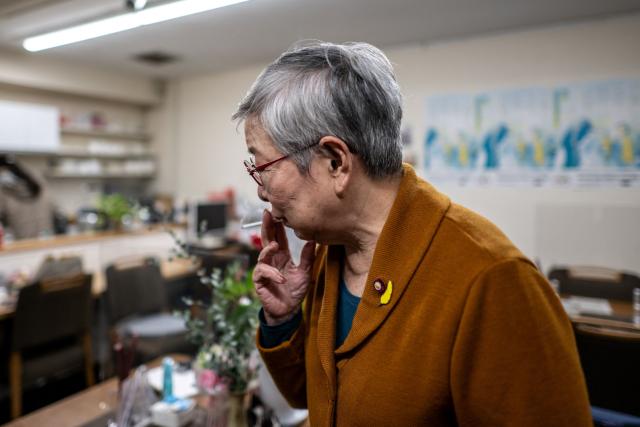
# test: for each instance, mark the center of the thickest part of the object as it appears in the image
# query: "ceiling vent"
(156, 58)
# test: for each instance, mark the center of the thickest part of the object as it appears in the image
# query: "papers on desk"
(6, 298)
(576, 305)
(184, 383)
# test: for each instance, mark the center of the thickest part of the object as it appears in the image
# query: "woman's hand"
(280, 284)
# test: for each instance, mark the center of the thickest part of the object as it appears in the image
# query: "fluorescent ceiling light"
(123, 22)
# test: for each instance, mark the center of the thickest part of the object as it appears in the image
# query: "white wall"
(540, 221)
(563, 54)
(162, 123)
(210, 148)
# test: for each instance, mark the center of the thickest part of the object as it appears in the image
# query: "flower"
(224, 329)
(207, 379)
(210, 382)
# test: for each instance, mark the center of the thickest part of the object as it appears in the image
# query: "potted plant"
(224, 331)
(115, 206)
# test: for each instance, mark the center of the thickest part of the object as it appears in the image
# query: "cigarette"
(251, 225)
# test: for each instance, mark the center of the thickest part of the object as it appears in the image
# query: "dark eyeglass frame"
(254, 171)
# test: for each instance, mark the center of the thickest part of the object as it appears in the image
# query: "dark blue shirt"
(272, 336)
(347, 306)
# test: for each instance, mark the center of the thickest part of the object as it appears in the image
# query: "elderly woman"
(405, 309)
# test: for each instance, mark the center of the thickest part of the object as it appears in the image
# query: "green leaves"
(115, 206)
(225, 329)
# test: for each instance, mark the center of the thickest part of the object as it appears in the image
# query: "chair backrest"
(51, 310)
(54, 268)
(609, 359)
(596, 282)
(134, 287)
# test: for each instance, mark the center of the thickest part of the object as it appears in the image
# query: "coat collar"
(410, 227)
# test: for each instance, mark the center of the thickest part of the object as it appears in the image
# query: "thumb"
(308, 255)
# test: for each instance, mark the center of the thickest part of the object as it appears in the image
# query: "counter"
(97, 250)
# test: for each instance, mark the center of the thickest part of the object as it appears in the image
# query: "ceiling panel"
(258, 30)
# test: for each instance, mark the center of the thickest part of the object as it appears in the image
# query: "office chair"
(609, 359)
(51, 334)
(136, 306)
(595, 282)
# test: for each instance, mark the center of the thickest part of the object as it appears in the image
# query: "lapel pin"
(386, 296)
(379, 286)
(384, 290)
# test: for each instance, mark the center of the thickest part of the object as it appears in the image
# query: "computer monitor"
(207, 220)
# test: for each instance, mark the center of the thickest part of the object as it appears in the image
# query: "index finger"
(281, 235)
(268, 230)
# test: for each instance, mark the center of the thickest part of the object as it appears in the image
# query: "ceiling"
(258, 30)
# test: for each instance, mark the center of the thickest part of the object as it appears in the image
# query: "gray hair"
(344, 90)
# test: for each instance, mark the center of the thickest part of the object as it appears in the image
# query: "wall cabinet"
(102, 154)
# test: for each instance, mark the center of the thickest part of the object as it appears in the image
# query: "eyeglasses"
(254, 170)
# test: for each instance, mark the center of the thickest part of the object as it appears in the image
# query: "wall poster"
(584, 134)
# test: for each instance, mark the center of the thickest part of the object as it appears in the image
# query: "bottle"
(167, 387)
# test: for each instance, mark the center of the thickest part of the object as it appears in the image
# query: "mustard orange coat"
(472, 335)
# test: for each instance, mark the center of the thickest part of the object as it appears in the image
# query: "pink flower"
(210, 382)
(207, 379)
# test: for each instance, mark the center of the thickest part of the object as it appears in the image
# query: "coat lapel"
(326, 320)
(412, 223)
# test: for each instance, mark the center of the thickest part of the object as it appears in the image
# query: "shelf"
(54, 175)
(28, 153)
(82, 154)
(106, 135)
(106, 156)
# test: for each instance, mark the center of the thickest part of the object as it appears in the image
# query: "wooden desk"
(96, 403)
(621, 318)
(49, 243)
(96, 249)
(91, 407)
(171, 270)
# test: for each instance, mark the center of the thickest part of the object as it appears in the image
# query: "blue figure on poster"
(491, 144)
(573, 138)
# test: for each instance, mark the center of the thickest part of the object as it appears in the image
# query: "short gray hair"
(319, 89)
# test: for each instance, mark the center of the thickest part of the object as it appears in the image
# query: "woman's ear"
(339, 161)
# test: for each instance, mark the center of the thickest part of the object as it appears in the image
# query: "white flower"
(216, 350)
(244, 301)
